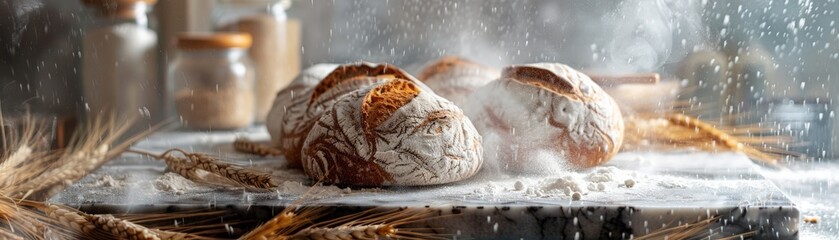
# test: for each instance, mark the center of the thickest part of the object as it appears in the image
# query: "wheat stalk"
(189, 166)
(673, 131)
(6, 235)
(246, 146)
(270, 229)
(368, 225)
(698, 230)
(31, 170)
(245, 176)
(79, 164)
(347, 232)
(182, 166)
(69, 218)
(18, 157)
(122, 229)
(287, 222)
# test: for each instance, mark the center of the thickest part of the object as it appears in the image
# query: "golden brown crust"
(541, 78)
(446, 64)
(352, 71)
(382, 101)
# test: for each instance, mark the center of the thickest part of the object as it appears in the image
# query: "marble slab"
(672, 189)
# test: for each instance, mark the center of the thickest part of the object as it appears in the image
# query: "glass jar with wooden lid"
(276, 43)
(120, 71)
(213, 81)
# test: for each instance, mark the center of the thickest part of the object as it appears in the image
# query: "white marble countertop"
(691, 183)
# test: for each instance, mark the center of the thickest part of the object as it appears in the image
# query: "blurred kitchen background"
(774, 61)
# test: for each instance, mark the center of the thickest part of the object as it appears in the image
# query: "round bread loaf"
(455, 78)
(307, 79)
(302, 113)
(392, 134)
(538, 118)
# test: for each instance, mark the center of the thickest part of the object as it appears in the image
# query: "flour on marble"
(108, 181)
(569, 184)
(175, 183)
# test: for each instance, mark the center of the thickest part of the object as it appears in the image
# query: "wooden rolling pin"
(611, 80)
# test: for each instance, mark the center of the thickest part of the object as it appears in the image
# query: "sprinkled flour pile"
(603, 182)
(108, 181)
(172, 182)
(573, 184)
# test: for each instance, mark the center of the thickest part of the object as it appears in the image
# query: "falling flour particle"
(576, 196)
(519, 186)
(629, 183)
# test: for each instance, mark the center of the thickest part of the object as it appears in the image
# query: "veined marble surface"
(670, 189)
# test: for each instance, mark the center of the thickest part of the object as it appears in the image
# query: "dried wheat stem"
(182, 166)
(69, 218)
(238, 174)
(702, 127)
(123, 229)
(347, 232)
(721, 137)
(188, 167)
(168, 235)
(6, 235)
(75, 167)
(270, 229)
(246, 146)
(16, 158)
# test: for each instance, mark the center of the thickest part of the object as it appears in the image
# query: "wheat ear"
(192, 162)
(673, 131)
(245, 176)
(247, 146)
(181, 166)
(347, 232)
(369, 225)
(123, 229)
(6, 235)
(69, 218)
(78, 165)
(285, 223)
(728, 141)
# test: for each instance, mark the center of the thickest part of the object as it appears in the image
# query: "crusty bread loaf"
(307, 79)
(392, 134)
(455, 78)
(304, 111)
(540, 117)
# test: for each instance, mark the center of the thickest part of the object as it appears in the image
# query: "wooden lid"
(214, 40)
(119, 8)
(117, 2)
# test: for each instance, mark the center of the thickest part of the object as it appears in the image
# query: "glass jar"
(276, 43)
(120, 74)
(213, 81)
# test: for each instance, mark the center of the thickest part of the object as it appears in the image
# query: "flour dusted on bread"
(455, 78)
(392, 134)
(303, 111)
(307, 79)
(543, 117)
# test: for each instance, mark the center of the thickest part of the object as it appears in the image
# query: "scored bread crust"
(543, 108)
(304, 111)
(392, 134)
(307, 79)
(455, 78)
